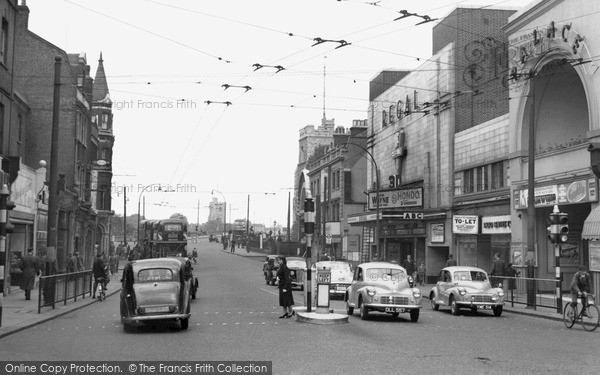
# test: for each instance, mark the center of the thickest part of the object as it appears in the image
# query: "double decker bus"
(163, 238)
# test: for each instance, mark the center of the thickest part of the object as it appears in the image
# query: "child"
(421, 274)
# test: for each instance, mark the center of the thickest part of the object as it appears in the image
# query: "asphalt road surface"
(235, 318)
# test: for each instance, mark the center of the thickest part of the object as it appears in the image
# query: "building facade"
(554, 111)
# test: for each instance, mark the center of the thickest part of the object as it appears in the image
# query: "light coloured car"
(383, 287)
(466, 287)
(341, 276)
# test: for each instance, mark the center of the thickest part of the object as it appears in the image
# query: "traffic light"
(559, 227)
(563, 227)
(553, 228)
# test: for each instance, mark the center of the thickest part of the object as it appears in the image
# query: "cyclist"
(581, 283)
(99, 271)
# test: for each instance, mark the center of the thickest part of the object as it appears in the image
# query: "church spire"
(100, 92)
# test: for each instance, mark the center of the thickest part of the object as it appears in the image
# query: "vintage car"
(466, 287)
(157, 290)
(297, 266)
(270, 267)
(341, 276)
(383, 287)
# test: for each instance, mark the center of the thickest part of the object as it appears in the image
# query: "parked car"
(383, 287)
(157, 290)
(466, 287)
(270, 267)
(297, 266)
(341, 276)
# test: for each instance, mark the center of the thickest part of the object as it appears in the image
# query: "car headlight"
(462, 291)
(416, 293)
(371, 292)
(501, 293)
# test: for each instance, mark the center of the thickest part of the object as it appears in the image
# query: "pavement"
(18, 314)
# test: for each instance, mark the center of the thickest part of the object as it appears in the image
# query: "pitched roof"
(100, 93)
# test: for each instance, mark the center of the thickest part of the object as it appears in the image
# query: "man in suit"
(497, 270)
(451, 261)
(31, 268)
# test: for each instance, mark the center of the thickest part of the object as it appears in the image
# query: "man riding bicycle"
(581, 283)
(100, 275)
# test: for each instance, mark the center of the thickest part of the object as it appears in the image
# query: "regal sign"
(578, 191)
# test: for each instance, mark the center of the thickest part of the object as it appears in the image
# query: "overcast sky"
(164, 59)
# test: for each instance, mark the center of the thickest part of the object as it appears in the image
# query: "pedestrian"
(286, 298)
(114, 264)
(99, 271)
(31, 268)
(78, 262)
(232, 244)
(450, 261)
(421, 274)
(512, 273)
(497, 270)
(409, 266)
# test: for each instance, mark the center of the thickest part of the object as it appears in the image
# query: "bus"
(163, 238)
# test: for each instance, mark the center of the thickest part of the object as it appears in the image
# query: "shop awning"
(591, 226)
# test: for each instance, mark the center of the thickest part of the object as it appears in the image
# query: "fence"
(532, 292)
(63, 287)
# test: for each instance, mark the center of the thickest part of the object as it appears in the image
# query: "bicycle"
(589, 322)
(101, 289)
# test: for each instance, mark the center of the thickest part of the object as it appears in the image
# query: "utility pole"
(248, 216)
(125, 218)
(51, 251)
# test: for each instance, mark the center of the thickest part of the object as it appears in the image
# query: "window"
(469, 181)
(482, 178)
(4, 41)
(392, 111)
(19, 128)
(104, 123)
(498, 175)
(384, 119)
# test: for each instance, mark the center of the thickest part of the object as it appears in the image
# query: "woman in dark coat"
(30, 267)
(286, 299)
(512, 273)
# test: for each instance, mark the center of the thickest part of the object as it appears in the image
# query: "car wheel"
(349, 309)
(128, 327)
(453, 306)
(395, 315)
(414, 315)
(497, 310)
(473, 309)
(434, 305)
(364, 312)
(185, 323)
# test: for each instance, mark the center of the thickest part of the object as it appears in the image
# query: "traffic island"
(319, 318)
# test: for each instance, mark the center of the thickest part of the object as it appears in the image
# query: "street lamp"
(138, 213)
(376, 193)
(224, 208)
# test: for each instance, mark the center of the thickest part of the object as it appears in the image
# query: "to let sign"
(465, 224)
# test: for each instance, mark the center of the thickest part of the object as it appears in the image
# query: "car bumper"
(382, 306)
(478, 304)
(146, 318)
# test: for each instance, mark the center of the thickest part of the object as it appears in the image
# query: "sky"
(194, 114)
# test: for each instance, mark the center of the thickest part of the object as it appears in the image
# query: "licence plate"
(486, 307)
(342, 288)
(150, 310)
(394, 310)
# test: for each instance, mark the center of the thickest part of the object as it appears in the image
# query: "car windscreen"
(155, 274)
(384, 274)
(296, 264)
(469, 276)
(341, 267)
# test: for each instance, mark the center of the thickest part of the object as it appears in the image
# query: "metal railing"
(63, 287)
(532, 292)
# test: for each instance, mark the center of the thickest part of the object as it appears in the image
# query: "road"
(235, 317)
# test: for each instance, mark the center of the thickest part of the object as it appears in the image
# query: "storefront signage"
(537, 42)
(397, 198)
(465, 224)
(578, 191)
(332, 232)
(495, 224)
(362, 218)
(437, 232)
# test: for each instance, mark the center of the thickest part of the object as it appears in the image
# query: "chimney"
(23, 15)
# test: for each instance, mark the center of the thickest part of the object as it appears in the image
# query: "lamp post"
(224, 209)
(376, 193)
(138, 213)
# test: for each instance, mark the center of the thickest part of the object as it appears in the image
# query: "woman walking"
(286, 299)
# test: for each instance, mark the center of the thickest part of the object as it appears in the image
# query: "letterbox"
(323, 281)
